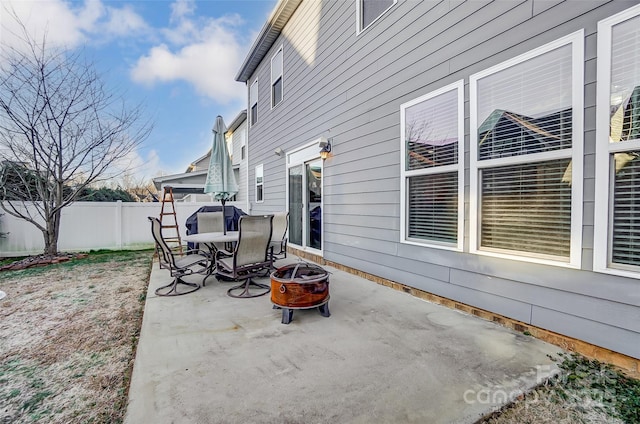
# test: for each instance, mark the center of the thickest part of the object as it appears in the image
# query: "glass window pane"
(626, 209)
(371, 9)
(527, 208)
(314, 204)
(253, 93)
(625, 81)
(276, 66)
(259, 183)
(295, 205)
(433, 207)
(277, 92)
(526, 108)
(431, 132)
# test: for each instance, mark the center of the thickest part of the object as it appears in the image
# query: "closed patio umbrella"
(221, 182)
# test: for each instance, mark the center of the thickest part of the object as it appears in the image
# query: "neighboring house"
(237, 142)
(189, 186)
(484, 152)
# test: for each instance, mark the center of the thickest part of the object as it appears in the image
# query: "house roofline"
(192, 164)
(279, 17)
(238, 120)
(174, 176)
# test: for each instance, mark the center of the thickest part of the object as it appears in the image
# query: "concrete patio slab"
(382, 357)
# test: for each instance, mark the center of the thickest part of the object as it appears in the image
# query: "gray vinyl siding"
(238, 135)
(355, 87)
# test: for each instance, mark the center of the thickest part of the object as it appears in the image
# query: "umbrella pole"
(224, 218)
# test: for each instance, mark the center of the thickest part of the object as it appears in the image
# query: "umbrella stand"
(224, 218)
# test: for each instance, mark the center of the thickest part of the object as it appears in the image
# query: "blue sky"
(179, 58)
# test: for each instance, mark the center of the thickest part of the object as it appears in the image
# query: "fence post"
(118, 224)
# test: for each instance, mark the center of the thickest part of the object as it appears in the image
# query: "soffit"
(268, 35)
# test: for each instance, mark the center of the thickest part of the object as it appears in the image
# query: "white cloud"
(124, 21)
(53, 19)
(65, 25)
(207, 55)
(137, 165)
(181, 9)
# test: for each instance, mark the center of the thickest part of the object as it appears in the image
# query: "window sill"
(529, 259)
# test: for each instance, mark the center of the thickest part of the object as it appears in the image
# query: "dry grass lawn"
(68, 338)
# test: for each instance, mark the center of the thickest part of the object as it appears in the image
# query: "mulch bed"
(41, 260)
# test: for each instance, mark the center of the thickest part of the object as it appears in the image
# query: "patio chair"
(195, 261)
(250, 257)
(278, 244)
(211, 222)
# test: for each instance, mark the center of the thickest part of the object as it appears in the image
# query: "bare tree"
(61, 129)
(141, 188)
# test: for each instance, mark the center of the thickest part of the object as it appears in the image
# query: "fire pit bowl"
(300, 286)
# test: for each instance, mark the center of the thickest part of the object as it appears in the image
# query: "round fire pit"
(300, 286)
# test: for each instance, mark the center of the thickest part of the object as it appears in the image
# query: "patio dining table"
(209, 240)
(214, 237)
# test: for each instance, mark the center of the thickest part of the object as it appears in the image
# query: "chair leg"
(245, 289)
(173, 288)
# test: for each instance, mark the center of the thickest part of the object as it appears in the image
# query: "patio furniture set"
(240, 256)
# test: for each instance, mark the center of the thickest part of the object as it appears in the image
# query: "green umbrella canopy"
(220, 179)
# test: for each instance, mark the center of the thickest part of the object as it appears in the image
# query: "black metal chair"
(250, 256)
(193, 262)
(278, 244)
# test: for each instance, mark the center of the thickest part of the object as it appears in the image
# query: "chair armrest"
(192, 252)
(222, 253)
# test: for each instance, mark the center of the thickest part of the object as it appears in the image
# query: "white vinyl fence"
(89, 226)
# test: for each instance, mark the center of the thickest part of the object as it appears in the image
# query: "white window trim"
(602, 219)
(359, 28)
(251, 120)
(261, 167)
(281, 76)
(459, 167)
(576, 40)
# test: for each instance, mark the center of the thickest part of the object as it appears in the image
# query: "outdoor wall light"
(325, 148)
(279, 151)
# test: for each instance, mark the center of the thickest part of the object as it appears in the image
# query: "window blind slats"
(507, 134)
(532, 89)
(433, 207)
(626, 213)
(527, 208)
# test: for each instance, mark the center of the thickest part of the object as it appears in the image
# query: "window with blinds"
(522, 154)
(276, 78)
(370, 10)
(617, 228)
(259, 184)
(253, 102)
(432, 171)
